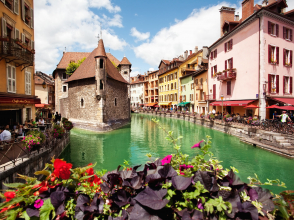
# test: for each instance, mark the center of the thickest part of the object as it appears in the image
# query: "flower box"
(6, 39)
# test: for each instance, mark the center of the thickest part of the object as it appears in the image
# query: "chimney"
(226, 14)
(196, 49)
(264, 3)
(205, 52)
(190, 52)
(181, 58)
(247, 8)
(237, 17)
(185, 54)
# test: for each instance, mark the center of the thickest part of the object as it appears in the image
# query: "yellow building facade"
(17, 90)
(201, 90)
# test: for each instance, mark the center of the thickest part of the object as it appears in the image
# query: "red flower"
(94, 180)
(9, 207)
(62, 169)
(9, 195)
(90, 171)
(44, 187)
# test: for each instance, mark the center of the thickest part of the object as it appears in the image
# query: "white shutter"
(23, 10)
(3, 1)
(29, 84)
(26, 84)
(32, 18)
(32, 45)
(23, 38)
(16, 7)
(9, 78)
(16, 33)
(4, 28)
(13, 79)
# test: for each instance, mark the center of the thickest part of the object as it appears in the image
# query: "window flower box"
(6, 39)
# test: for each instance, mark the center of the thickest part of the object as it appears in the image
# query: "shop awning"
(165, 103)
(285, 100)
(183, 103)
(156, 106)
(41, 105)
(232, 103)
(151, 104)
(18, 100)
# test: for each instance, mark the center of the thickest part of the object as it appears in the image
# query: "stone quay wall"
(35, 162)
(267, 140)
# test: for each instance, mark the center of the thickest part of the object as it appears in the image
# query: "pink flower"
(184, 167)
(197, 145)
(167, 159)
(38, 143)
(38, 203)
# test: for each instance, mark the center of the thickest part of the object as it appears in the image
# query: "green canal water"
(142, 136)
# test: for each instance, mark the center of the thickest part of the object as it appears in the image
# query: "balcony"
(227, 75)
(15, 51)
(210, 97)
(199, 87)
(187, 69)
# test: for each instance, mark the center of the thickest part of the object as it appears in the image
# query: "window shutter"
(215, 56)
(232, 63)
(290, 34)
(16, 7)
(211, 55)
(228, 87)
(216, 68)
(231, 44)
(23, 10)
(214, 91)
(32, 18)
(269, 53)
(13, 79)
(269, 83)
(226, 65)
(23, 38)
(26, 83)
(269, 28)
(211, 71)
(4, 29)
(3, 1)
(277, 30)
(16, 34)
(225, 47)
(32, 45)
(291, 84)
(277, 84)
(284, 56)
(277, 54)
(284, 32)
(291, 58)
(284, 82)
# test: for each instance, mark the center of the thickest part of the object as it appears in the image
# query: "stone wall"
(116, 90)
(35, 162)
(123, 69)
(59, 83)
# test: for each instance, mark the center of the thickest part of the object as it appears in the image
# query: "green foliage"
(73, 66)
(46, 210)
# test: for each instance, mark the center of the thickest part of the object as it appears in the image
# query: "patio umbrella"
(251, 106)
(273, 106)
(289, 108)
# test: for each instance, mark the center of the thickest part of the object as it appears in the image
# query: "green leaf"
(14, 185)
(11, 202)
(25, 215)
(43, 172)
(85, 177)
(12, 214)
(46, 210)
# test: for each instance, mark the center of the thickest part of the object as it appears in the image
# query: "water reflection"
(142, 136)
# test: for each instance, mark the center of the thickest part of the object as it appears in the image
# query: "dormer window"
(273, 29)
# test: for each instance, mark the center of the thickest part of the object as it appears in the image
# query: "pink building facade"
(252, 61)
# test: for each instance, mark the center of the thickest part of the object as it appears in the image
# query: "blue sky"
(144, 31)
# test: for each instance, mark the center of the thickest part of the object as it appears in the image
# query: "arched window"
(171, 86)
(101, 84)
(82, 102)
(101, 64)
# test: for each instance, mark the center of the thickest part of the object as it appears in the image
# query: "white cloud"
(138, 35)
(104, 4)
(151, 69)
(56, 28)
(290, 5)
(200, 28)
(135, 73)
(136, 14)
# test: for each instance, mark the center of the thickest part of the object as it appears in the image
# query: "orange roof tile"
(87, 68)
(71, 57)
(101, 50)
(125, 61)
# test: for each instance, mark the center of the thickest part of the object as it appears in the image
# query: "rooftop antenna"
(98, 38)
(100, 30)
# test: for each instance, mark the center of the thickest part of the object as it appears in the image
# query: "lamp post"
(222, 98)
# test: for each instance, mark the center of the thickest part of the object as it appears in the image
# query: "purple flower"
(167, 159)
(200, 205)
(197, 145)
(38, 203)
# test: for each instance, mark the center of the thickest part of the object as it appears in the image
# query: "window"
(196, 82)
(115, 102)
(101, 64)
(9, 4)
(213, 54)
(168, 87)
(64, 88)
(82, 102)
(273, 54)
(191, 97)
(288, 85)
(287, 33)
(11, 79)
(192, 85)
(176, 97)
(171, 86)
(196, 96)
(50, 99)
(64, 75)
(273, 29)
(27, 83)
(213, 70)
(175, 85)
(125, 72)
(229, 45)
(287, 58)
(229, 88)
(101, 84)
(175, 75)
(273, 83)
(27, 14)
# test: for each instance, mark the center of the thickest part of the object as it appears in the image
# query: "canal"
(143, 136)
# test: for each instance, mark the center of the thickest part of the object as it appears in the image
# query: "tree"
(73, 66)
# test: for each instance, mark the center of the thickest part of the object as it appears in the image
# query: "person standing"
(284, 117)
(5, 135)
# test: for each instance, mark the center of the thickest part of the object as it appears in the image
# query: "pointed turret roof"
(101, 50)
(125, 61)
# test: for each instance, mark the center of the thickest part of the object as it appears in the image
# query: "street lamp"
(222, 98)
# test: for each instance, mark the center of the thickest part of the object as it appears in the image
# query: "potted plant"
(58, 131)
(6, 39)
(273, 61)
(68, 125)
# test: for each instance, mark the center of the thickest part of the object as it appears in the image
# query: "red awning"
(284, 100)
(151, 104)
(41, 105)
(232, 103)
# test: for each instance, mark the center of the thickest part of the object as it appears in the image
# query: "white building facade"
(137, 93)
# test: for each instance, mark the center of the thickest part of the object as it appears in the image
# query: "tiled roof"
(39, 81)
(289, 12)
(71, 56)
(166, 62)
(87, 68)
(125, 61)
(100, 49)
(137, 82)
(113, 59)
(153, 72)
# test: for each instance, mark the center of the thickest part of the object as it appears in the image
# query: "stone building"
(97, 93)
